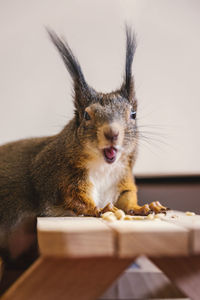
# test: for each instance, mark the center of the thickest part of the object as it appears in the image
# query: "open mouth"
(110, 154)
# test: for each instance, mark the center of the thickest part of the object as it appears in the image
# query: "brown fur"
(49, 176)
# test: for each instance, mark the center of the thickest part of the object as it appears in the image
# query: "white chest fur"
(105, 178)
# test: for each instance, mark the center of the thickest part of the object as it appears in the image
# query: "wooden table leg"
(184, 272)
(63, 278)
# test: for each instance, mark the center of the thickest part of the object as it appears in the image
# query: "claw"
(157, 208)
(94, 213)
(140, 211)
(154, 207)
(108, 207)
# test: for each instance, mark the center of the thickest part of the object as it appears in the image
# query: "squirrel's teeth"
(110, 154)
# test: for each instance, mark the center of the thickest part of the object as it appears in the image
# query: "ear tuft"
(69, 59)
(82, 90)
(128, 84)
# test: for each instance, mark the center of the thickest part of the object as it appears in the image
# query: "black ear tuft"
(82, 90)
(128, 84)
(69, 59)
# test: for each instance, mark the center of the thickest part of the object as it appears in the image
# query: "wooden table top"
(81, 257)
(88, 237)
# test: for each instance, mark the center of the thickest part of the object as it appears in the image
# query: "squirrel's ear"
(82, 91)
(127, 88)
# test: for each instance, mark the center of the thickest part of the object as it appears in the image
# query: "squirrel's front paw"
(145, 210)
(140, 210)
(109, 207)
(95, 212)
(157, 208)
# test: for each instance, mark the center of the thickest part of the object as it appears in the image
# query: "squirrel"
(85, 169)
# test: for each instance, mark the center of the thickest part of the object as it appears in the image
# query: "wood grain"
(63, 279)
(81, 256)
(75, 237)
(86, 237)
(155, 238)
(143, 280)
(191, 223)
(184, 272)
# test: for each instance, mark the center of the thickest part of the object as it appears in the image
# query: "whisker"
(162, 135)
(147, 146)
(149, 139)
(163, 126)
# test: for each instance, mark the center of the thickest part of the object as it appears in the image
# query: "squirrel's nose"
(111, 134)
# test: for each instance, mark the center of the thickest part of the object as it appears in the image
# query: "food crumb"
(138, 218)
(128, 217)
(189, 213)
(174, 217)
(156, 217)
(109, 216)
(150, 217)
(119, 214)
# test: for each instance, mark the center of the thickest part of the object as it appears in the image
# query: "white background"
(35, 89)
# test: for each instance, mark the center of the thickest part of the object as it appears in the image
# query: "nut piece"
(108, 213)
(189, 213)
(159, 216)
(150, 217)
(138, 218)
(119, 214)
(109, 216)
(174, 217)
(128, 217)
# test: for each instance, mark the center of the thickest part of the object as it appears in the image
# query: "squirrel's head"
(106, 123)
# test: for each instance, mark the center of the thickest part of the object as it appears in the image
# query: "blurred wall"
(35, 88)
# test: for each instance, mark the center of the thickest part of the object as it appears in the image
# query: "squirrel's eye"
(86, 116)
(133, 115)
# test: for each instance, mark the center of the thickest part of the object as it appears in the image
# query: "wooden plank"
(144, 265)
(147, 285)
(8, 278)
(75, 237)
(191, 223)
(155, 238)
(184, 272)
(65, 278)
(143, 285)
(143, 280)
